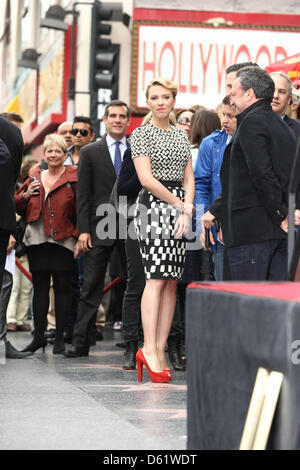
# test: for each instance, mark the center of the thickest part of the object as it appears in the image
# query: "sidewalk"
(52, 402)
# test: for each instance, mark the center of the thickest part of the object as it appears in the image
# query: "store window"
(66, 4)
(45, 4)
(6, 38)
(25, 26)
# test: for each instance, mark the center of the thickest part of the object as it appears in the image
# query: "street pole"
(72, 80)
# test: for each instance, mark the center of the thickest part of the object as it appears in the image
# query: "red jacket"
(58, 209)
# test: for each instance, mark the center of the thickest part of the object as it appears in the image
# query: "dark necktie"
(118, 159)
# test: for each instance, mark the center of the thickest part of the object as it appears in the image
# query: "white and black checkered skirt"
(163, 255)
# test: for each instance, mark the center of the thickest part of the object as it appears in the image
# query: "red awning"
(290, 66)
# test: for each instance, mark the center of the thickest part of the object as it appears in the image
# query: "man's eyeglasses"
(83, 132)
(184, 120)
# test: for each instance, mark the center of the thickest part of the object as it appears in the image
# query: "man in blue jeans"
(255, 175)
(207, 174)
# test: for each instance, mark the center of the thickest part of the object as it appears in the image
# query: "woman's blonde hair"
(166, 83)
(54, 139)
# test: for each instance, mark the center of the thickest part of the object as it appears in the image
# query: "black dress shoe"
(99, 334)
(13, 353)
(129, 362)
(75, 352)
(50, 334)
(59, 346)
(174, 354)
(68, 338)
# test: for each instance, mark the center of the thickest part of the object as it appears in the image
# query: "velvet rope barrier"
(23, 270)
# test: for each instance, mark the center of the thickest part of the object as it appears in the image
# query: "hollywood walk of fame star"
(176, 413)
(97, 366)
(143, 387)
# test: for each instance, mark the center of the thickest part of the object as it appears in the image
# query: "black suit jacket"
(255, 175)
(128, 181)
(293, 125)
(96, 179)
(11, 152)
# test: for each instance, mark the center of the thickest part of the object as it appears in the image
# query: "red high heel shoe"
(162, 376)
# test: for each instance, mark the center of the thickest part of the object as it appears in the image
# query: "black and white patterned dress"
(163, 255)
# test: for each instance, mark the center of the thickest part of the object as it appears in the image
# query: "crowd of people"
(182, 174)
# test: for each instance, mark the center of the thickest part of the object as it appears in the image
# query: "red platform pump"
(161, 376)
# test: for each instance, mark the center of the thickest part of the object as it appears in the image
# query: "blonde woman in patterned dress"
(162, 158)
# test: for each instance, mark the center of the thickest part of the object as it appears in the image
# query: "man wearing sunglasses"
(99, 165)
(83, 134)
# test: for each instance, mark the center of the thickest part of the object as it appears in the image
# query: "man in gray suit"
(98, 168)
(281, 99)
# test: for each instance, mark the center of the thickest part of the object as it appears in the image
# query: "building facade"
(192, 42)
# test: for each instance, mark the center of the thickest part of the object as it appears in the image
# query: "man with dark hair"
(117, 103)
(282, 98)
(99, 165)
(83, 134)
(14, 118)
(255, 175)
(231, 72)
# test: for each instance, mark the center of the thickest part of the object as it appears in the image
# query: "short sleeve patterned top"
(169, 150)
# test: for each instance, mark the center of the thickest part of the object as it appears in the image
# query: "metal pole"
(72, 80)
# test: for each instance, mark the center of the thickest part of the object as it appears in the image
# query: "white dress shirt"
(112, 148)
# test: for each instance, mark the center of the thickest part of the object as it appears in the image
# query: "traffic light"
(104, 57)
(104, 63)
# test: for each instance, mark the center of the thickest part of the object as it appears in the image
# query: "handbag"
(207, 265)
(20, 246)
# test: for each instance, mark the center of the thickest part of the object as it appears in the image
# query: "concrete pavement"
(52, 402)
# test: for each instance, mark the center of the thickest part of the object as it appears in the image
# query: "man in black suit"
(99, 165)
(282, 98)
(11, 152)
(255, 175)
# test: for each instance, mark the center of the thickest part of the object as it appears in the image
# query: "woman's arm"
(23, 194)
(143, 168)
(189, 184)
(183, 222)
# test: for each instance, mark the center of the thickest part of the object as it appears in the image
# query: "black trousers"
(94, 269)
(131, 311)
(4, 299)
(75, 295)
(4, 238)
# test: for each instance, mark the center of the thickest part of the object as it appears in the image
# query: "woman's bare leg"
(150, 307)
(166, 314)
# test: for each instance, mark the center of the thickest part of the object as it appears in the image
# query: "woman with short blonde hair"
(47, 198)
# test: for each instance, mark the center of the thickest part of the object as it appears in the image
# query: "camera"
(37, 190)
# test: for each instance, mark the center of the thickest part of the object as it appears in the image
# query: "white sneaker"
(118, 325)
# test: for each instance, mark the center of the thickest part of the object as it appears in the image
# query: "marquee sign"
(197, 55)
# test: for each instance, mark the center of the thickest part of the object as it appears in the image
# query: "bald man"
(65, 131)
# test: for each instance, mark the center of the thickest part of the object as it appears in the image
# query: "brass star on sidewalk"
(143, 387)
(176, 413)
(96, 366)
